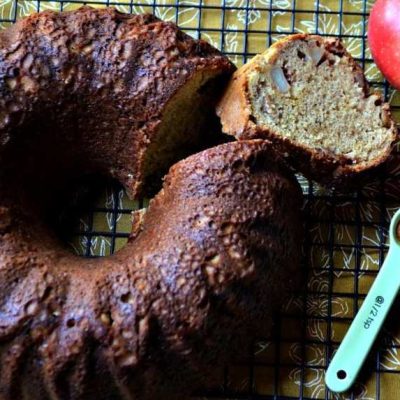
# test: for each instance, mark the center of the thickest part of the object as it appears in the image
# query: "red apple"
(384, 38)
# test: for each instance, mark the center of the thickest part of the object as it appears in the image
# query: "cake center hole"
(97, 219)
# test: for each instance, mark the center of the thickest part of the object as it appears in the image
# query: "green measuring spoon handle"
(349, 358)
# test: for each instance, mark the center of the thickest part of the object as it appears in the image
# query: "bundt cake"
(310, 98)
(207, 263)
(150, 87)
(216, 253)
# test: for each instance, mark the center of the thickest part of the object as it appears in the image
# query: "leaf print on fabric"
(362, 5)
(231, 43)
(210, 39)
(314, 354)
(261, 347)
(331, 24)
(318, 282)
(314, 380)
(113, 203)
(327, 23)
(249, 9)
(7, 10)
(24, 8)
(390, 358)
(351, 40)
(99, 245)
(316, 330)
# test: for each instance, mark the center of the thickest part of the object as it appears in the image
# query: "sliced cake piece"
(310, 98)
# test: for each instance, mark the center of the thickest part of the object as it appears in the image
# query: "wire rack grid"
(345, 242)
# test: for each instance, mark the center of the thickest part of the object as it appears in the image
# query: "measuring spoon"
(350, 356)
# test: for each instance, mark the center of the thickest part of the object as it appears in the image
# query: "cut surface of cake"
(309, 96)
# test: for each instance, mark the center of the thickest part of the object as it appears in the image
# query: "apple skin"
(384, 38)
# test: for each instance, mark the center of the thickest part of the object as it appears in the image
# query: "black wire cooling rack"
(345, 243)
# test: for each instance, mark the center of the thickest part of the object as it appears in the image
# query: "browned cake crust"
(115, 79)
(206, 265)
(316, 159)
(215, 256)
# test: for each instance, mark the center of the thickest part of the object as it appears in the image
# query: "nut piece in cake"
(310, 98)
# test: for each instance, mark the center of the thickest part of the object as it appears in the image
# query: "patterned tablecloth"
(346, 235)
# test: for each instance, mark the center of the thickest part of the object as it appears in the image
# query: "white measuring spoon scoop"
(357, 343)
